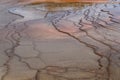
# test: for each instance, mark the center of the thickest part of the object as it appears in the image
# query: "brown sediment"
(62, 1)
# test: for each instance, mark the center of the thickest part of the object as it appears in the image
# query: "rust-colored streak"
(61, 1)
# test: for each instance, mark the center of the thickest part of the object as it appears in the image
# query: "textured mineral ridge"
(59, 41)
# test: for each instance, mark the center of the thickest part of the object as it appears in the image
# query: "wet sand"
(59, 41)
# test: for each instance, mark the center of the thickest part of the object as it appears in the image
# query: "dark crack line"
(10, 52)
(88, 45)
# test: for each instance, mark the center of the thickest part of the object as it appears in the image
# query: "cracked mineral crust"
(74, 40)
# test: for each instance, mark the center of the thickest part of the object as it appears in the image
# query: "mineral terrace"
(59, 41)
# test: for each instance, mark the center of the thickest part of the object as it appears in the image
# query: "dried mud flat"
(47, 41)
